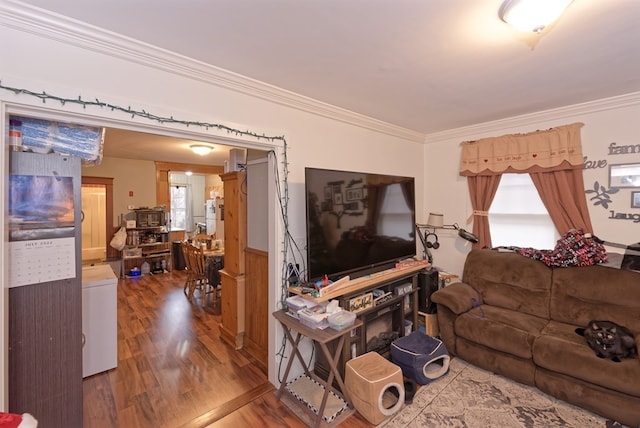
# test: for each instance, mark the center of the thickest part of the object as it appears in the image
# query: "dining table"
(214, 261)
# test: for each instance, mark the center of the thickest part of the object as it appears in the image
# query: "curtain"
(190, 226)
(540, 151)
(376, 198)
(554, 160)
(482, 190)
(408, 191)
(376, 188)
(555, 189)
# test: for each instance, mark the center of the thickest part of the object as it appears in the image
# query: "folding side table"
(322, 337)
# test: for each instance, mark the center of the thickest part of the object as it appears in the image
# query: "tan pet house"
(375, 386)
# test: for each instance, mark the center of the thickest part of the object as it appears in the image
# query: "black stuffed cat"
(609, 340)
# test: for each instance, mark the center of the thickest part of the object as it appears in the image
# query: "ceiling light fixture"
(201, 149)
(531, 15)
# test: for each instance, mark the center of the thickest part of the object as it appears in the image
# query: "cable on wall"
(289, 244)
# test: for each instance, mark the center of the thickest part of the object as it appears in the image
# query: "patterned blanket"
(574, 248)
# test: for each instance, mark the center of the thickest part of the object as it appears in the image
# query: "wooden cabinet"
(147, 242)
(232, 323)
(256, 337)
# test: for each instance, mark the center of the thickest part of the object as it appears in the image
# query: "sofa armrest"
(458, 297)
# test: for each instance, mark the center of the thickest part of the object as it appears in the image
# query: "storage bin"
(132, 252)
(341, 320)
(313, 319)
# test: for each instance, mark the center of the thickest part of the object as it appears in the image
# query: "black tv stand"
(398, 311)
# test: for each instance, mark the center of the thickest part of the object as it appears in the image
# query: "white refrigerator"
(214, 217)
(210, 216)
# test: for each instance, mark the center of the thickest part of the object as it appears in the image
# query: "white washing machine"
(99, 319)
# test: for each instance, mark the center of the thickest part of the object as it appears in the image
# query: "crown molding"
(42, 23)
(534, 119)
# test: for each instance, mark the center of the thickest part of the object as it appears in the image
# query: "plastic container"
(341, 320)
(15, 134)
(313, 319)
(145, 268)
(408, 327)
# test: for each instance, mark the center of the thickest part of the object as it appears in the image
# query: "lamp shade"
(531, 15)
(435, 220)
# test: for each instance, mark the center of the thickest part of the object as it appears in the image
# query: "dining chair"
(197, 277)
(188, 283)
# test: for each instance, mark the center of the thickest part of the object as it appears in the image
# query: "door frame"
(106, 118)
(107, 183)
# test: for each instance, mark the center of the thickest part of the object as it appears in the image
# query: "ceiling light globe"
(201, 149)
(531, 15)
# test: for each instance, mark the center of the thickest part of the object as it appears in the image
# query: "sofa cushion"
(582, 294)
(560, 349)
(613, 405)
(510, 281)
(501, 329)
(519, 369)
(457, 297)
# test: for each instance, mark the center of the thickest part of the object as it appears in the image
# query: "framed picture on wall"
(337, 198)
(328, 192)
(354, 194)
(624, 175)
(635, 199)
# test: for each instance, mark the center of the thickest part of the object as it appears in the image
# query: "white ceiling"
(124, 144)
(426, 65)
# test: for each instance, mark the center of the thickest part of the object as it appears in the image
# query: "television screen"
(357, 223)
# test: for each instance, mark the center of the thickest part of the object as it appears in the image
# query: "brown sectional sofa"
(517, 317)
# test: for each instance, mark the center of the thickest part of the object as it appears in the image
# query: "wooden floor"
(173, 370)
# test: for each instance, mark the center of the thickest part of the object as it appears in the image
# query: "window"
(179, 207)
(518, 217)
(395, 214)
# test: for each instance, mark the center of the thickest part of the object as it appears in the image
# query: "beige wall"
(129, 175)
(607, 122)
(139, 177)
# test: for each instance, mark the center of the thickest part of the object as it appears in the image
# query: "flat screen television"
(357, 223)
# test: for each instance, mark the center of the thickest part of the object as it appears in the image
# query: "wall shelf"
(149, 243)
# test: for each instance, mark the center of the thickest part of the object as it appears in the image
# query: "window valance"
(555, 149)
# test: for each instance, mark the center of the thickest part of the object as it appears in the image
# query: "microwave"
(150, 218)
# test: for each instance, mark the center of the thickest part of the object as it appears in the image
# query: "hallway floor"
(173, 370)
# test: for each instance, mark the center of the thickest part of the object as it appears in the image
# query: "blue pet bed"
(422, 358)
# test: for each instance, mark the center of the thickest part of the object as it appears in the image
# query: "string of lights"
(139, 113)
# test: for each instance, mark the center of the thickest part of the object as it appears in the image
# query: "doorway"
(160, 181)
(97, 219)
(94, 225)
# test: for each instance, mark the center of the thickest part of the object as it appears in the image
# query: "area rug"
(468, 396)
(310, 392)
